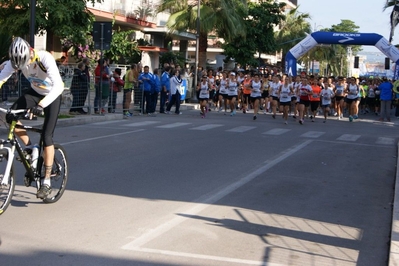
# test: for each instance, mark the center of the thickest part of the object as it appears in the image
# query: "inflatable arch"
(344, 38)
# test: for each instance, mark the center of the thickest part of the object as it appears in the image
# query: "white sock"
(47, 181)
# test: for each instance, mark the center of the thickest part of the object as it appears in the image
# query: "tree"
(143, 12)
(259, 28)
(394, 18)
(339, 60)
(293, 29)
(224, 17)
(69, 19)
(123, 49)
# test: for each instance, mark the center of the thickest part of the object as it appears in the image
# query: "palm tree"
(143, 12)
(224, 17)
(292, 31)
(394, 15)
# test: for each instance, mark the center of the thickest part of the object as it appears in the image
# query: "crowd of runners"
(305, 96)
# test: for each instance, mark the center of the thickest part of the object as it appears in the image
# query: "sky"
(367, 14)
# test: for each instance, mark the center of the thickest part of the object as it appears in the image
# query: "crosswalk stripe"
(206, 127)
(385, 141)
(140, 124)
(240, 129)
(313, 134)
(277, 131)
(348, 137)
(173, 125)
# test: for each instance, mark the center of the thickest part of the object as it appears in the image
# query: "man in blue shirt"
(147, 83)
(385, 89)
(165, 88)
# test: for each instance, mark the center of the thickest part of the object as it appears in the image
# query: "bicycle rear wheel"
(59, 174)
(6, 191)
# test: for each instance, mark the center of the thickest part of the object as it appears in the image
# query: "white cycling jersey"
(43, 75)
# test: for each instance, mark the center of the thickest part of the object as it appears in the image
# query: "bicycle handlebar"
(9, 111)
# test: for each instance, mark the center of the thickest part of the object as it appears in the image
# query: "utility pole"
(32, 23)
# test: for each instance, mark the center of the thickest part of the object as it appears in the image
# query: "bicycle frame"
(15, 145)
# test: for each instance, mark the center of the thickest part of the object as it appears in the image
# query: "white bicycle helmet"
(19, 53)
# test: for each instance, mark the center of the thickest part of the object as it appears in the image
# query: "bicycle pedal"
(27, 181)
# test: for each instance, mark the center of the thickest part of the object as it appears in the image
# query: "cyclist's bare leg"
(22, 135)
(48, 155)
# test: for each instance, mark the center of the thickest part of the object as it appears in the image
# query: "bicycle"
(59, 172)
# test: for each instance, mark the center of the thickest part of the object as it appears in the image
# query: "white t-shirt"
(326, 95)
(204, 90)
(222, 86)
(232, 88)
(353, 91)
(274, 87)
(285, 93)
(256, 86)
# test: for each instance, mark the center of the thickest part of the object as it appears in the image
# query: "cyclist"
(44, 95)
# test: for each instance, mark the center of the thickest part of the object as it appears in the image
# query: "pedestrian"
(156, 89)
(385, 89)
(117, 85)
(165, 88)
(102, 83)
(78, 89)
(146, 81)
(175, 83)
(131, 83)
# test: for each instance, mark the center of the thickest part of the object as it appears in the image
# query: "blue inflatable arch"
(344, 38)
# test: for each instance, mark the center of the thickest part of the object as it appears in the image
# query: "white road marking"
(385, 141)
(206, 127)
(276, 131)
(173, 125)
(349, 137)
(101, 137)
(313, 134)
(140, 124)
(241, 129)
(209, 199)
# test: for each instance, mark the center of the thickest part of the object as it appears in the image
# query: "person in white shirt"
(326, 95)
(175, 83)
(256, 94)
(44, 96)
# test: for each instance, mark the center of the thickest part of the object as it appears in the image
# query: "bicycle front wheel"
(59, 174)
(6, 190)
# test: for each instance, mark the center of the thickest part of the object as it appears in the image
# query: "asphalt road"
(181, 190)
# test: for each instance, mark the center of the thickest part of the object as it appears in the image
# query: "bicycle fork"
(10, 160)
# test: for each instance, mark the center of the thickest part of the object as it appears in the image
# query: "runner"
(265, 94)
(273, 94)
(223, 91)
(246, 92)
(255, 95)
(315, 99)
(339, 97)
(285, 92)
(204, 87)
(304, 92)
(352, 91)
(327, 95)
(232, 93)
